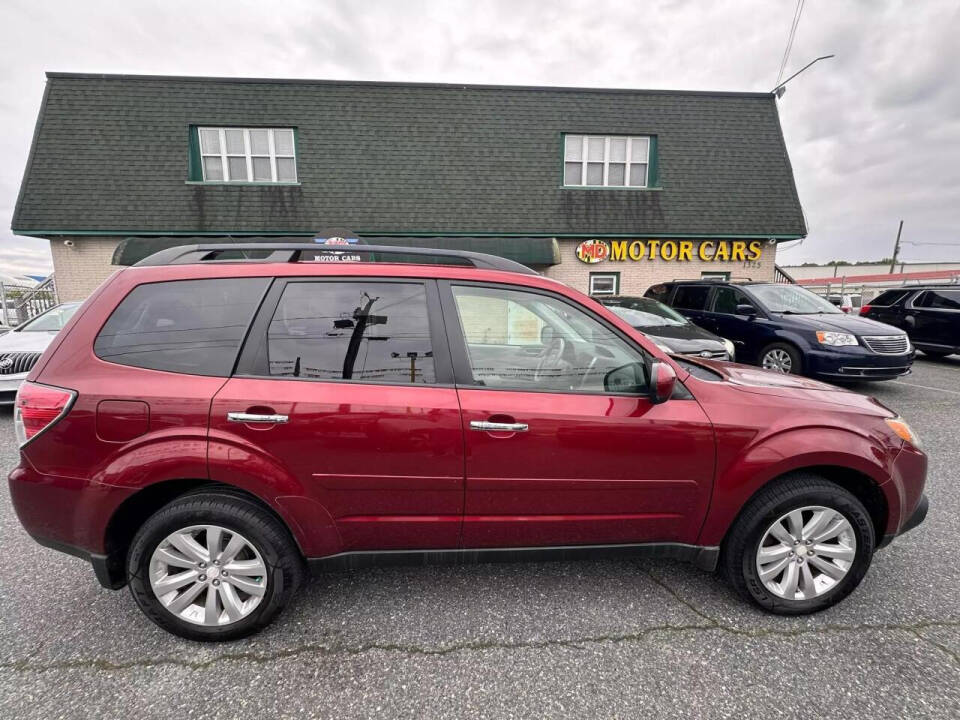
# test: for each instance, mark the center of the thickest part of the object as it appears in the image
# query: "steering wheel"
(587, 373)
(551, 356)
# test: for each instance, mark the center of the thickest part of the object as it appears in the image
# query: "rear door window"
(890, 297)
(939, 300)
(185, 326)
(691, 297)
(371, 331)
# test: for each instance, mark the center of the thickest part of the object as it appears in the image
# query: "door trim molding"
(704, 557)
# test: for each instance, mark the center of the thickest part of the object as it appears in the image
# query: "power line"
(790, 39)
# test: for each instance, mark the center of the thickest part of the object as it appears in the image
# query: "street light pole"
(779, 90)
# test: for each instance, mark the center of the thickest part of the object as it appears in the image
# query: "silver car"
(22, 347)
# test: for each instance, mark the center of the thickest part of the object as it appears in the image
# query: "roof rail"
(302, 252)
(733, 279)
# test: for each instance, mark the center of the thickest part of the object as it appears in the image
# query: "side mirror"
(746, 309)
(630, 378)
(662, 381)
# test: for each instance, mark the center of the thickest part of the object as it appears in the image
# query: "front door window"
(528, 341)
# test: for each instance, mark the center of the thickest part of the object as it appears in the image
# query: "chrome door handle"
(487, 426)
(242, 417)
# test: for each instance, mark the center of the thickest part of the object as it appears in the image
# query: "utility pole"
(896, 249)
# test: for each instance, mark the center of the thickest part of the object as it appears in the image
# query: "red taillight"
(38, 407)
(864, 310)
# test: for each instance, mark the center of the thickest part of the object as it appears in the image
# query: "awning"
(525, 250)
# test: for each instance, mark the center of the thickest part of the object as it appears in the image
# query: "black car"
(930, 315)
(788, 329)
(668, 328)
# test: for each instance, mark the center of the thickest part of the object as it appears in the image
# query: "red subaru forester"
(213, 422)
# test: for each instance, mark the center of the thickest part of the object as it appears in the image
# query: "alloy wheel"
(806, 553)
(208, 575)
(778, 360)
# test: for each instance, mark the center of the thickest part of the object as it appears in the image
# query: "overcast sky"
(873, 134)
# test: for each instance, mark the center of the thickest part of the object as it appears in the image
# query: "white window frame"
(628, 162)
(597, 276)
(247, 155)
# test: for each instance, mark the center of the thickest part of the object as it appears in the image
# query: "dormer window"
(247, 155)
(606, 161)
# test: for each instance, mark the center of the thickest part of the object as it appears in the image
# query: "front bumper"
(9, 384)
(857, 363)
(918, 516)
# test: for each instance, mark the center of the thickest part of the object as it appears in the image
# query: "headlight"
(837, 339)
(731, 350)
(903, 431)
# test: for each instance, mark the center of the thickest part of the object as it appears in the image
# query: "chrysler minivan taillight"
(39, 407)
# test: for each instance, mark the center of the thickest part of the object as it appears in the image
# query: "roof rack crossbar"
(294, 252)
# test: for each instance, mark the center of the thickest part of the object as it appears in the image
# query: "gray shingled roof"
(110, 155)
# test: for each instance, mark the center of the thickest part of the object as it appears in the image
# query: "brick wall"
(81, 268)
(637, 275)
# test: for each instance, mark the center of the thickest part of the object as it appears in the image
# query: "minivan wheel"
(213, 566)
(800, 545)
(781, 358)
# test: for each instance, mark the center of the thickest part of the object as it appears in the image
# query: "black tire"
(795, 491)
(935, 354)
(284, 563)
(796, 359)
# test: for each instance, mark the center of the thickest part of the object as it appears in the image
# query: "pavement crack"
(939, 646)
(316, 649)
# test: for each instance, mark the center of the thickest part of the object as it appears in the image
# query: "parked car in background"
(21, 347)
(206, 429)
(788, 329)
(846, 302)
(670, 330)
(930, 316)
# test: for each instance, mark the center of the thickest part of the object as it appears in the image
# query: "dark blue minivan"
(789, 329)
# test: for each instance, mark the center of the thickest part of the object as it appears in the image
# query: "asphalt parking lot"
(589, 639)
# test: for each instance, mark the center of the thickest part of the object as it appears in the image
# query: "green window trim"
(604, 274)
(195, 157)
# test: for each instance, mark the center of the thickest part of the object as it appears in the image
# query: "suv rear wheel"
(801, 545)
(781, 358)
(213, 566)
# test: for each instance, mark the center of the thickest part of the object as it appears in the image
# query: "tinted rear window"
(940, 299)
(359, 330)
(691, 297)
(185, 326)
(890, 297)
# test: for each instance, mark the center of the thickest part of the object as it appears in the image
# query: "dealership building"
(609, 190)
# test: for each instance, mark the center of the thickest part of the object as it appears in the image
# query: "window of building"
(606, 160)
(714, 275)
(527, 341)
(364, 331)
(691, 297)
(186, 326)
(604, 283)
(261, 155)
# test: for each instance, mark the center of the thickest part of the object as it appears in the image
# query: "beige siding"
(80, 269)
(637, 276)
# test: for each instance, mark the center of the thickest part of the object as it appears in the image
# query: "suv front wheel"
(801, 545)
(213, 566)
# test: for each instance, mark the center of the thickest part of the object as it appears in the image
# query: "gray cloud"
(873, 134)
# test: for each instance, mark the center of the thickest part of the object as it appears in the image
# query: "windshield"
(52, 320)
(792, 299)
(644, 312)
